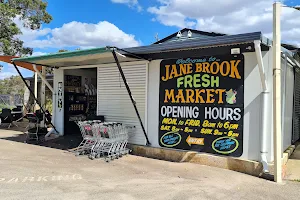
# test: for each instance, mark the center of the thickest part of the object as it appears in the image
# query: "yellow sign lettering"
(192, 140)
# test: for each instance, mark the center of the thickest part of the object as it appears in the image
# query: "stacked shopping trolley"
(106, 140)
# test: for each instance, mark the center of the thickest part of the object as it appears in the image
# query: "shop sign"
(201, 104)
(60, 95)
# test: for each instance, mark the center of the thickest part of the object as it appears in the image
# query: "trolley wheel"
(77, 154)
(41, 140)
(91, 157)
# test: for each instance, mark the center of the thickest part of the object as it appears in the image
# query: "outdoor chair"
(34, 129)
(7, 118)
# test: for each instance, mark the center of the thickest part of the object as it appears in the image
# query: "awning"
(25, 65)
(103, 55)
(75, 58)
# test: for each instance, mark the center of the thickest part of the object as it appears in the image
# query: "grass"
(297, 180)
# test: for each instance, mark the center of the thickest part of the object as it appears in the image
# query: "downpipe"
(265, 111)
(263, 137)
(283, 92)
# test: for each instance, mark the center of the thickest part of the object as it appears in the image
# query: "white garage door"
(113, 99)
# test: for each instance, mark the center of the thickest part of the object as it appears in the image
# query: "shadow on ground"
(65, 143)
(296, 153)
(293, 164)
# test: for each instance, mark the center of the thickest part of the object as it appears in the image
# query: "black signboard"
(201, 104)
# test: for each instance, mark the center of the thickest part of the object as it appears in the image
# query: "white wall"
(153, 102)
(288, 101)
(252, 104)
(58, 115)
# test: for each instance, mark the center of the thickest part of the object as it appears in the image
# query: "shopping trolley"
(106, 140)
(88, 138)
(111, 141)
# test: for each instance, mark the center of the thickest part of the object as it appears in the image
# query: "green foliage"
(31, 12)
(5, 106)
(12, 85)
(48, 105)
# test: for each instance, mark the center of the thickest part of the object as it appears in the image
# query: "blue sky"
(124, 23)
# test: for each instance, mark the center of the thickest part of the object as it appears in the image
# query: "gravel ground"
(37, 172)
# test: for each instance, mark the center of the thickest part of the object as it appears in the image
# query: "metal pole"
(277, 92)
(43, 91)
(43, 77)
(35, 90)
(130, 95)
(32, 93)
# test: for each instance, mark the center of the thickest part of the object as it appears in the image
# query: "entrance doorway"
(80, 97)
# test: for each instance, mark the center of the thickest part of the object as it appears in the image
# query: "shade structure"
(8, 59)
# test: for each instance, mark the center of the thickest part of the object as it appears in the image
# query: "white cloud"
(227, 16)
(38, 53)
(130, 3)
(83, 34)
(9, 70)
(4, 75)
(78, 34)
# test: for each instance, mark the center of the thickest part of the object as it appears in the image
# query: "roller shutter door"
(296, 117)
(113, 99)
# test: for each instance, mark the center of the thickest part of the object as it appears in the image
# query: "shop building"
(195, 91)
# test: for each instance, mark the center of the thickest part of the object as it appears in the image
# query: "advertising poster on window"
(201, 104)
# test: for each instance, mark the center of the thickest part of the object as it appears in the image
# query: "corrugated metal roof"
(200, 43)
(67, 54)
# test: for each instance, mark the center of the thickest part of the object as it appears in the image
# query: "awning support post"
(32, 93)
(35, 90)
(43, 77)
(130, 95)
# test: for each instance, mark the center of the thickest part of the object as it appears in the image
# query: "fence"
(11, 100)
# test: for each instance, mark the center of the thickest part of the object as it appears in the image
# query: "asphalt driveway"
(37, 172)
